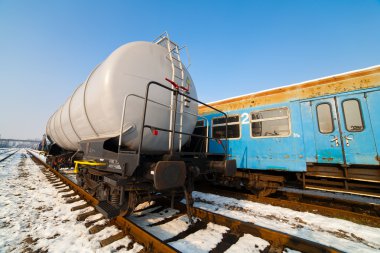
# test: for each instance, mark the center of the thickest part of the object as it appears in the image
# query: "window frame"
(200, 120)
(271, 119)
(361, 115)
(223, 124)
(331, 115)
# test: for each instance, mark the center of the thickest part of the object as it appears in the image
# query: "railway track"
(348, 202)
(4, 156)
(362, 213)
(230, 230)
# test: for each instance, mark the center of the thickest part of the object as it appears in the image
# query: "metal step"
(175, 55)
(108, 210)
(174, 58)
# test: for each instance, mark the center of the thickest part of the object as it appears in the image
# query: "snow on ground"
(166, 230)
(203, 240)
(146, 217)
(6, 152)
(248, 243)
(340, 234)
(33, 216)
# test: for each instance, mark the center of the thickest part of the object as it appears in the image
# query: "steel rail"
(149, 241)
(359, 218)
(276, 238)
(7, 156)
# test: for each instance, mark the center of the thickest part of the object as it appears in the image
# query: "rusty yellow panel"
(361, 79)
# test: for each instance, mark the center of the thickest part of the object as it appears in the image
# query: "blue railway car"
(326, 132)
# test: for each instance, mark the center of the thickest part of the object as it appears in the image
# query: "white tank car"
(94, 111)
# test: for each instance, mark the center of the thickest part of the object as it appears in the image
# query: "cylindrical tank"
(94, 111)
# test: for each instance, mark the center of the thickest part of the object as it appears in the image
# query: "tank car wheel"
(80, 178)
(265, 191)
(131, 204)
(102, 192)
(91, 191)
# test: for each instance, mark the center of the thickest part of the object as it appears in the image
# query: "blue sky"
(47, 48)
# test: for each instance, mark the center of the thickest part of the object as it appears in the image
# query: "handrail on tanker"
(176, 92)
(123, 115)
(155, 102)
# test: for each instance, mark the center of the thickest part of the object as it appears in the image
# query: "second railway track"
(361, 213)
(235, 230)
(4, 156)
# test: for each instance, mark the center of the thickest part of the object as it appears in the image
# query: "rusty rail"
(277, 239)
(149, 241)
(359, 218)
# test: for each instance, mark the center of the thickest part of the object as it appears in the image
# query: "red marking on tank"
(155, 132)
(184, 88)
(176, 85)
(173, 83)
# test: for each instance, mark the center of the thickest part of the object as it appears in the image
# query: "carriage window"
(274, 122)
(219, 127)
(200, 123)
(353, 115)
(325, 120)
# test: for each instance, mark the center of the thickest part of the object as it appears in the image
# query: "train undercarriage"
(119, 195)
(123, 179)
(356, 180)
(174, 176)
(258, 183)
(120, 188)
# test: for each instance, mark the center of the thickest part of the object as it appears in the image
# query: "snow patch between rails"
(340, 234)
(248, 243)
(163, 231)
(201, 241)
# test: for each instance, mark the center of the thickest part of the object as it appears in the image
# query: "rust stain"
(327, 158)
(331, 85)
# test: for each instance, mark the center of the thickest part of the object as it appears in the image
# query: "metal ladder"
(178, 76)
(174, 57)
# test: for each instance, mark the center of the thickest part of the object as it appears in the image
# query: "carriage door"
(357, 136)
(343, 132)
(326, 131)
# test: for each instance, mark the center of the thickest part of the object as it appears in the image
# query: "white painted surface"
(95, 108)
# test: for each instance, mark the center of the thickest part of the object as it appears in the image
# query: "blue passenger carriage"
(324, 131)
